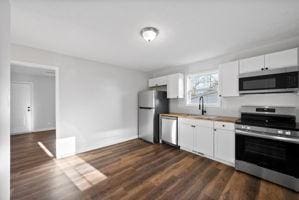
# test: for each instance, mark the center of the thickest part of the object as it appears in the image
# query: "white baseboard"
(111, 141)
(44, 129)
(33, 131)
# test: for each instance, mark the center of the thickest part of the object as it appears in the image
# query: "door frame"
(57, 104)
(31, 103)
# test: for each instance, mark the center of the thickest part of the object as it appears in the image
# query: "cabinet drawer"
(205, 123)
(224, 126)
(197, 122)
(187, 121)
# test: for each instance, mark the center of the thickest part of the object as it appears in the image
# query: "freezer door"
(146, 124)
(146, 99)
(169, 130)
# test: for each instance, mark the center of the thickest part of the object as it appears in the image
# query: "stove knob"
(280, 132)
(288, 132)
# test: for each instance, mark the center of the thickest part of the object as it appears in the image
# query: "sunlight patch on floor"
(82, 174)
(45, 149)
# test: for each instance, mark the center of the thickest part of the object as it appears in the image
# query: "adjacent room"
(149, 99)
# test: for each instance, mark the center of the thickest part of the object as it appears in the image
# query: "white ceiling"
(19, 69)
(108, 30)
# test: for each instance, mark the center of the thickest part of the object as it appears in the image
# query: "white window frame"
(218, 104)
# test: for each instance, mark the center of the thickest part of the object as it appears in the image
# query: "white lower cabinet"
(224, 146)
(200, 137)
(203, 140)
(185, 135)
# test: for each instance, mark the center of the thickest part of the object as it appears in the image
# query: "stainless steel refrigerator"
(151, 103)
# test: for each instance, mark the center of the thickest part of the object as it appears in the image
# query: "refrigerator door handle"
(148, 108)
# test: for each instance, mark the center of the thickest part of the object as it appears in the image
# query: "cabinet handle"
(223, 125)
(215, 129)
(192, 126)
(267, 68)
(262, 69)
(220, 95)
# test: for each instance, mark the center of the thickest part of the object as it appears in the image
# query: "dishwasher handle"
(169, 117)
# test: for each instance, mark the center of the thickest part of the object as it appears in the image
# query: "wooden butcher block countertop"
(204, 117)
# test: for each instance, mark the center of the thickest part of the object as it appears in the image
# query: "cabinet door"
(225, 145)
(203, 140)
(229, 82)
(175, 86)
(252, 64)
(288, 58)
(159, 81)
(185, 136)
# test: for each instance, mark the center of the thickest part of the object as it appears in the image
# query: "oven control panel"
(273, 131)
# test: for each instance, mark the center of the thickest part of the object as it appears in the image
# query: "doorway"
(34, 90)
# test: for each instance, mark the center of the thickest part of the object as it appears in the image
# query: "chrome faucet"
(201, 105)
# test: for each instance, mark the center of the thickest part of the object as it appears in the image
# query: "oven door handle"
(272, 137)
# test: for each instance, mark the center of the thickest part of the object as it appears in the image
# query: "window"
(203, 84)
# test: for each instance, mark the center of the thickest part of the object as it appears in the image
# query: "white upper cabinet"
(174, 83)
(287, 58)
(281, 59)
(159, 81)
(229, 82)
(175, 86)
(252, 64)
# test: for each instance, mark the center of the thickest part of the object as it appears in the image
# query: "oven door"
(272, 154)
(271, 83)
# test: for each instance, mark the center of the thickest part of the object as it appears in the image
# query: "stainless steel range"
(267, 144)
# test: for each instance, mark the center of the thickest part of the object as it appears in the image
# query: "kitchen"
(149, 99)
(261, 140)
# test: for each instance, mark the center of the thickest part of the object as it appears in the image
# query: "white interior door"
(21, 108)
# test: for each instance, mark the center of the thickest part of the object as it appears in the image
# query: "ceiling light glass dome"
(149, 33)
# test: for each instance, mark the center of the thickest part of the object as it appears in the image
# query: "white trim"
(99, 145)
(31, 104)
(109, 143)
(57, 104)
(43, 129)
(19, 133)
(33, 131)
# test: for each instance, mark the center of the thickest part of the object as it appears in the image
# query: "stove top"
(269, 117)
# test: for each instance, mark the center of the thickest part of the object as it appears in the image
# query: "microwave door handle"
(272, 137)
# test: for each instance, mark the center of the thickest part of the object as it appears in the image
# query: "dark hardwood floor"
(129, 170)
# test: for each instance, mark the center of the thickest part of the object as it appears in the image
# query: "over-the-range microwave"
(270, 81)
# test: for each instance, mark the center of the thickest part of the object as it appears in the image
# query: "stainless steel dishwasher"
(169, 130)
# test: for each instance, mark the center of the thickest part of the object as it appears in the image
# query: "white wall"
(4, 100)
(230, 106)
(43, 107)
(97, 102)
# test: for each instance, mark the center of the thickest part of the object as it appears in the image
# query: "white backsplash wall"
(231, 106)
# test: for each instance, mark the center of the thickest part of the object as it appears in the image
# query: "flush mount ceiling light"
(149, 33)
